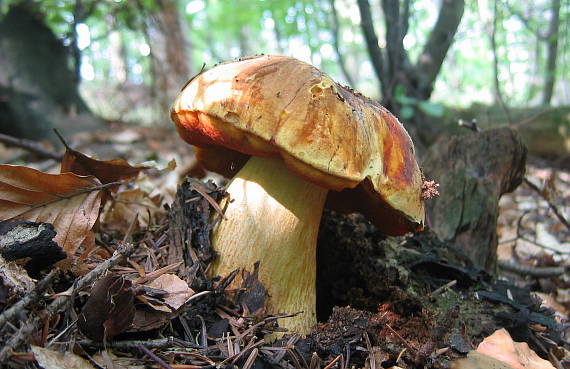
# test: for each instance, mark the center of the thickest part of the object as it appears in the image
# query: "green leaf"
(430, 108)
(407, 112)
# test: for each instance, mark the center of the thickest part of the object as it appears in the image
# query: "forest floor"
(128, 300)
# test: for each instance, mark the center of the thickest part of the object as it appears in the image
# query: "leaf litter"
(154, 304)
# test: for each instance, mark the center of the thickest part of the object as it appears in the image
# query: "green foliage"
(218, 30)
(408, 106)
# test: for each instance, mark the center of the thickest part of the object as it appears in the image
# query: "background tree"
(422, 58)
(398, 76)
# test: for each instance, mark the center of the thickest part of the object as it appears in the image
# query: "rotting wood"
(23, 239)
(474, 171)
(190, 225)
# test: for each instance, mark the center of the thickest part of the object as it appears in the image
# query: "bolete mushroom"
(299, 140)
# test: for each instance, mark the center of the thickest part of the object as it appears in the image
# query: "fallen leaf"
(68, 201)
(109, 171)
(15, 279)
(50, 359)
(109, 310)
(518, 355)
(126, 205)
(108, 360)
(476, 360)
(178, 290)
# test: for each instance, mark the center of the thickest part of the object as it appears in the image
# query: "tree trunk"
(38, 89)
(171, 64)
(374, 51)
(440, 39)
(552, 53)
(393, 68)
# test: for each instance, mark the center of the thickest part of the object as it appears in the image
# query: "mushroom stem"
(273, 217)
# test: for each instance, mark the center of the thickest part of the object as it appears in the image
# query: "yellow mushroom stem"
(273, 217)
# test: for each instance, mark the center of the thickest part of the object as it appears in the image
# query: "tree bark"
(440, 39)
(493, 38)
(394, 69)
(374, 51)
(169, 47)
(552, 52)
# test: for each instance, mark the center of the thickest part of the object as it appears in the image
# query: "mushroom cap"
(278, 106)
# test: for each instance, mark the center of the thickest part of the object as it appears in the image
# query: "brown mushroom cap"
(278, 106)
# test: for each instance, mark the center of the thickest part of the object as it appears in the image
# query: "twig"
(31, 146)
(158, 360)
(330, 365)
(151, 344)
(552, 206)
(197, 186)
(30, 298)
(408, 346)
(443, 288)
(59, 303)
(538, 272)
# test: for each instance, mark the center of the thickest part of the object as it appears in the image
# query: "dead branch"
(538, 272)
(158, 360)
(30, 298)
(30, 146)
(150, 344)
(550, 204)
(59, 303)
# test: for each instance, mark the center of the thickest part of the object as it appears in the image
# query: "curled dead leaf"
(178, 290)
(501, 352)
(106, 171)
(109, 310)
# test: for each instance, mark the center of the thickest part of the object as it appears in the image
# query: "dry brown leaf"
(50, 359)
(109, 310)
(106, 171)
(68, 201)
(476, 360)
(499, 351)
(126, 205)
(178, 290)
(518, 355)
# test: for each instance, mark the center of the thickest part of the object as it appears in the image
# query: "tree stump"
(474, 171)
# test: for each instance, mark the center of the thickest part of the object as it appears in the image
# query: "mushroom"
(297, 140)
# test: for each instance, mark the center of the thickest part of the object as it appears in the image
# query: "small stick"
(552, 206)
(408, 346)
(30, 298)
(538, 272)
(151, 344)
(443, 288)
(29, 145)
(59, 303)
(330, 365)
(158, 360)
(195, 185)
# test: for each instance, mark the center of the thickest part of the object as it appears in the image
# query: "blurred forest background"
(75, 63)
